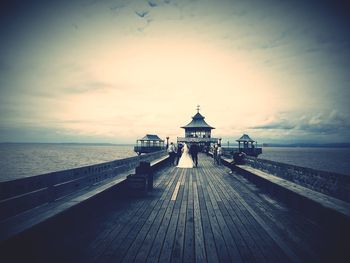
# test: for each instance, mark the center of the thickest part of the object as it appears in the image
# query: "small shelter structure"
(149, 143)
(248, 146)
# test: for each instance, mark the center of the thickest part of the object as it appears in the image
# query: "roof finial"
(198, 107)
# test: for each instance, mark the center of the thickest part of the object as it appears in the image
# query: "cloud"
(55, 135)
(322, 123)
(88, 87)
(325, 123)
(283, 124)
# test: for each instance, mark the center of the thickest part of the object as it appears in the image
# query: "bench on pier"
(142, 181)
(28, 219)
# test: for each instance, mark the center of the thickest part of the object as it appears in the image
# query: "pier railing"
(333, 184)
(197, 140)
(148, 149)
(25, 193)
(229, 151)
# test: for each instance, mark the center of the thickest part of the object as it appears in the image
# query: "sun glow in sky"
(112, 71)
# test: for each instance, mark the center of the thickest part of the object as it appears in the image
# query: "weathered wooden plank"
(243, 225)
(199, 242)
(189, 228)
(154, 253)
(165, 254)
(156, 235)
(111, 250)
(289, 224)
(213, 219)
(117, 221)
(240, 231)
(265, 243)
(237, 230)
(259, 234)
(173, 197)
(136, 244)
(277, 218)
(145, 238)
(103, 240)
(210, 247)
(178, 248)
(252, 237)
(215, 201)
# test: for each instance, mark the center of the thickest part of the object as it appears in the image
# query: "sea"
(336, 160)
(19, 160)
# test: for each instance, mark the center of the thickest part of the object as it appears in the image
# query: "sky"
(112, 71)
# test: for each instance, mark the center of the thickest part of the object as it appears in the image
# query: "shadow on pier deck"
(192, 215)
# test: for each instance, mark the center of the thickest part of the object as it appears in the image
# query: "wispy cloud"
(88, 87)
(321, 123)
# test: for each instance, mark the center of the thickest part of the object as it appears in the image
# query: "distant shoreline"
(307, 145)
(72, 143)
(292, 145)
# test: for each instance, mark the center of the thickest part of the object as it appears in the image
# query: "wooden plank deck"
(205, 214)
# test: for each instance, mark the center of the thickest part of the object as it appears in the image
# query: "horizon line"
(268, 144)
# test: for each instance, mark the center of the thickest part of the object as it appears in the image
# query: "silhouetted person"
(172, 153)
(194, 149)
(215, 153)
(219, 154)
(179, 153)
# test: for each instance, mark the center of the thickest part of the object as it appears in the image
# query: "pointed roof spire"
(198, 121)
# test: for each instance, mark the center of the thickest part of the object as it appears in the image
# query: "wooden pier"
(204, 214)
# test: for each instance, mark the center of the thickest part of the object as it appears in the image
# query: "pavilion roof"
(151, 137)
(245, 138)
(198, 122)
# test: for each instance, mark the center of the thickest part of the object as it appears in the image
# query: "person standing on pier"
(178, 153)
(172, 153)
(215, 153)
(194, 153)
(185, 160)
(219, 154)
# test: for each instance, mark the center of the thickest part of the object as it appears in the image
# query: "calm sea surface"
(326, 159)
(22, 160)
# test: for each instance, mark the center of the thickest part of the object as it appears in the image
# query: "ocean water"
(325, 159)
(19, 160)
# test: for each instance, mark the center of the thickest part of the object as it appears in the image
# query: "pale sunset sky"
(113, 71)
